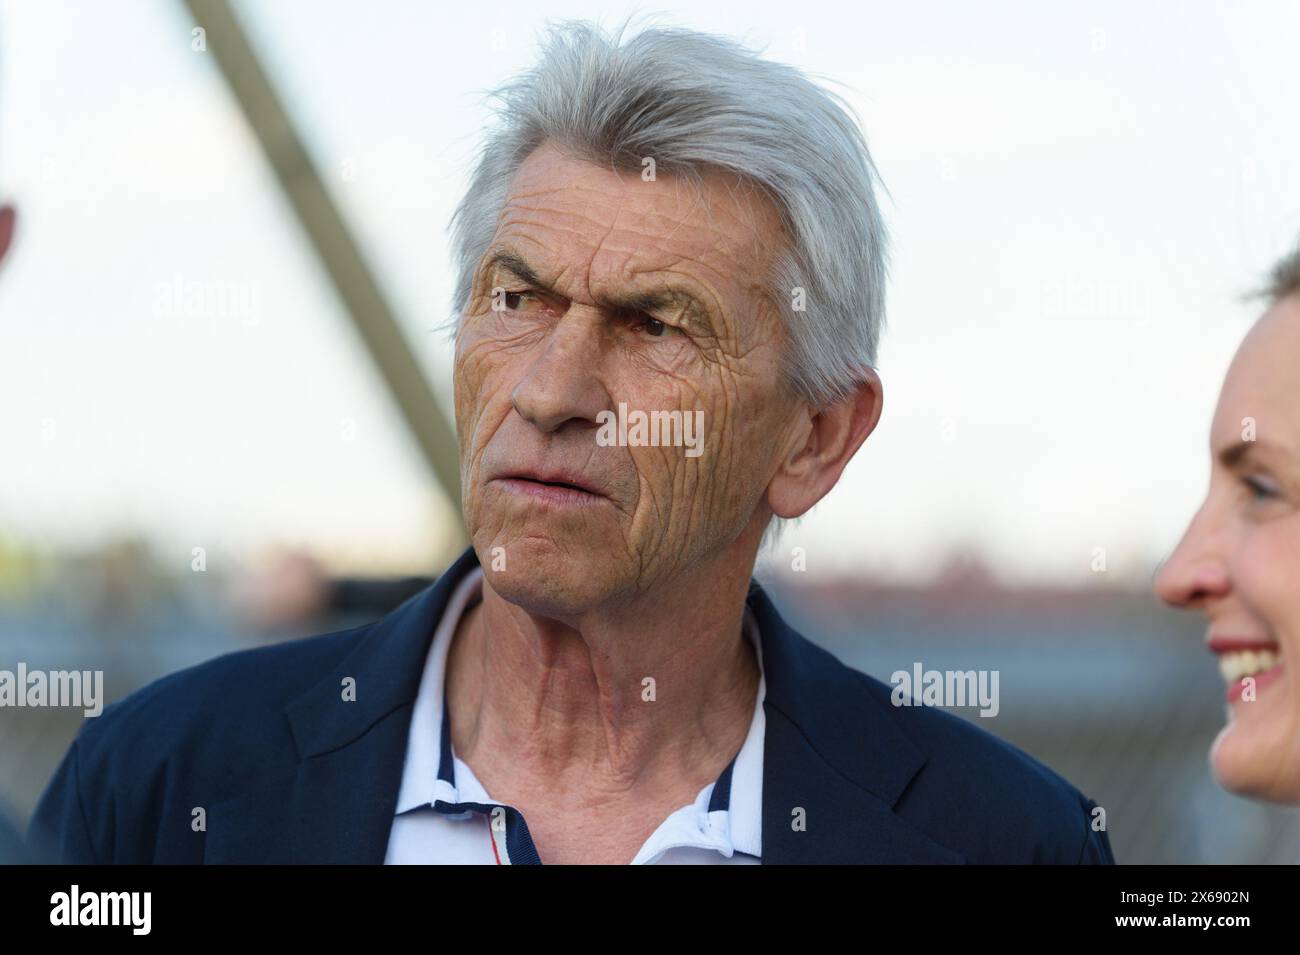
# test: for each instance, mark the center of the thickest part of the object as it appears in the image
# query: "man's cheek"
(687, 486)
(466, 413)
(466, 381)
(714, 439)
(656, 478)
(482, 379)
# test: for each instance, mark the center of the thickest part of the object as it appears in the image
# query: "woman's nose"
(1195, 572)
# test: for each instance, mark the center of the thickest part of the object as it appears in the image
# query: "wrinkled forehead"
(1262, 386)
(576, 220)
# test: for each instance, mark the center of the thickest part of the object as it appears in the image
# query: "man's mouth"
(1259, 661)
(553, 487)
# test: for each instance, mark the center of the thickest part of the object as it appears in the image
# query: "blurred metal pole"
(333, 243)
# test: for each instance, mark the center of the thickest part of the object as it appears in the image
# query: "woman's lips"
(1259, 661)
(1237, 689)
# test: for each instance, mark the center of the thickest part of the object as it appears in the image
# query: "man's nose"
(1195, 572)
(562, 383)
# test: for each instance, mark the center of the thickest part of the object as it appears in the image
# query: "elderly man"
(670, 295)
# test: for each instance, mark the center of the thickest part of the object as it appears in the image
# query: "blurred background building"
(200, 452)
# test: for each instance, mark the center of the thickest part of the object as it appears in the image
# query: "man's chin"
(556, 579)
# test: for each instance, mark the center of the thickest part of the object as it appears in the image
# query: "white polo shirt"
(445, 816)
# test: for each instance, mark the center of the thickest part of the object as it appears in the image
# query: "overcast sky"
(1077, 198)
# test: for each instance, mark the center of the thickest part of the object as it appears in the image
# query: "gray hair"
(692, 101)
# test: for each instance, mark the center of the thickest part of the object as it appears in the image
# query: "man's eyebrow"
(514, 263)
(665, 299)
(655, 301)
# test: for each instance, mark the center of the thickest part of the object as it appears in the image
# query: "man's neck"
(648, 700)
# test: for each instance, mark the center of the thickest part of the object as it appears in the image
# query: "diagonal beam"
(332, 241)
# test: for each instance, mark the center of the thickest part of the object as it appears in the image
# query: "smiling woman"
(1239, 560)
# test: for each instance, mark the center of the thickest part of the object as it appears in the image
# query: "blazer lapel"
(336, 804)
(834, 764)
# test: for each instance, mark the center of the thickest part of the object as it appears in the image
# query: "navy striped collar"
(430, 780)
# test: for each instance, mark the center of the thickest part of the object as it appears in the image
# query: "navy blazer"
(286, 771)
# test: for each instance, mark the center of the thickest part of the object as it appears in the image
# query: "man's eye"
(651, 326)
(514, 299)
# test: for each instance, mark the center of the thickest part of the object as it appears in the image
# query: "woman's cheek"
(1267, 565)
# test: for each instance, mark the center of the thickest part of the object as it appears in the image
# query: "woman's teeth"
(1239, 665)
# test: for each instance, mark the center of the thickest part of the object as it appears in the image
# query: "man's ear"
(823, 446)
(6, 229)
